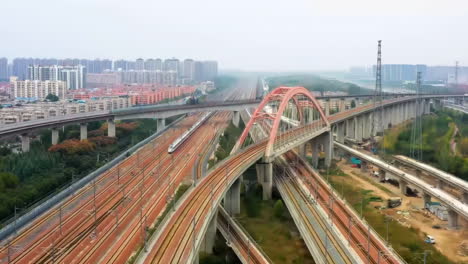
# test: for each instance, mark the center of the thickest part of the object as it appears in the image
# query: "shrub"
(73, 146)
(278, 209)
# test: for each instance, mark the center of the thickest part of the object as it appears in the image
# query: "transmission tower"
(377, 120)
(416, 130)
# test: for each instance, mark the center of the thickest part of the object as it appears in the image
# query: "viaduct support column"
(381, 175)
(55, 136)
(315, 152)
(210, 235)
(327, 141)
(358, 128)
(340, 132)
(365, 124)
(232, 198)
(83, 131)
(265, 178)
(427, 106)
(426, 199)
(236, 118)
(302, 150)
(111, 128)
(465, 197)
(403, 186)
(349, 128)
(25, 142)
(342, 105)
(452, 219)
(161, 124)
(327, 107)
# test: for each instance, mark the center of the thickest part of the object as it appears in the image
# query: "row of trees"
(316, 83)
(437, 134)
(29, 177)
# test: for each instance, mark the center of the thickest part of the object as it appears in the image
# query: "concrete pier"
(25, 143)
(340, 132)
(327, 141)
(236, 118)
(265, 178)
(426, 199)
(232, 198)
(111, 128)
(161, 124)
(403, 186)
(327, 107)
(83, 131)
(208, 242)
(452, 219)
(55, 136)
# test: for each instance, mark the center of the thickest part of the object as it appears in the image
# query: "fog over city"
(243, 34)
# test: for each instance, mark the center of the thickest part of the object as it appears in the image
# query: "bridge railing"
(239, 226)
(296, 133)
(355, 213)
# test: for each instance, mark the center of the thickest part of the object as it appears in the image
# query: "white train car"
(173, 147)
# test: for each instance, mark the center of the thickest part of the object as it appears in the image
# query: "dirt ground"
(412, 214)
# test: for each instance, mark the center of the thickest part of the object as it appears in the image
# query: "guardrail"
(442, 196)
(236, 225)
(38, 208)
(353, 212)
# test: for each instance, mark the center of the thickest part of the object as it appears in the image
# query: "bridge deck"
(440, 174)
(444, 197)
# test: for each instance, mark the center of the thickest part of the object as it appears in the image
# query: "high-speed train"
(173, 147)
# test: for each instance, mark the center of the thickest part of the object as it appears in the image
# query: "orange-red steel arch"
(284, 95)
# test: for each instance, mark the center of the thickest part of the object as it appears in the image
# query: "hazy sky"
(240, 34)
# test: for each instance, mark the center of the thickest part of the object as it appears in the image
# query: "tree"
(464, 146)
(354, 89)
(9, 180)
(353, 104)
(52, 98)
(73, 146)
(278, 209)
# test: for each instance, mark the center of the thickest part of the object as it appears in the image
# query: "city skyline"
(260, 35)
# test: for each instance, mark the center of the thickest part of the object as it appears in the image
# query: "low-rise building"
(42, 110)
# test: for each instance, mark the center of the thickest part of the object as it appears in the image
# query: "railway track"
(121, 250)
(196, 205)
(250, 252)
(292, 191)
(130, 165)
(369, 248)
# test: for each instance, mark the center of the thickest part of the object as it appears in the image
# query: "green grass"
(380, 186)
(408, 242)
(276, 235)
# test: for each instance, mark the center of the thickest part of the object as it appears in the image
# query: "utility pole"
(60, 218)
(94, 208)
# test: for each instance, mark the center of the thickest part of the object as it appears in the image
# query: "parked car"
(430, 240)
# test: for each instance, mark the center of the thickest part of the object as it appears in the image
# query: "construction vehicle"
(393, 202)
